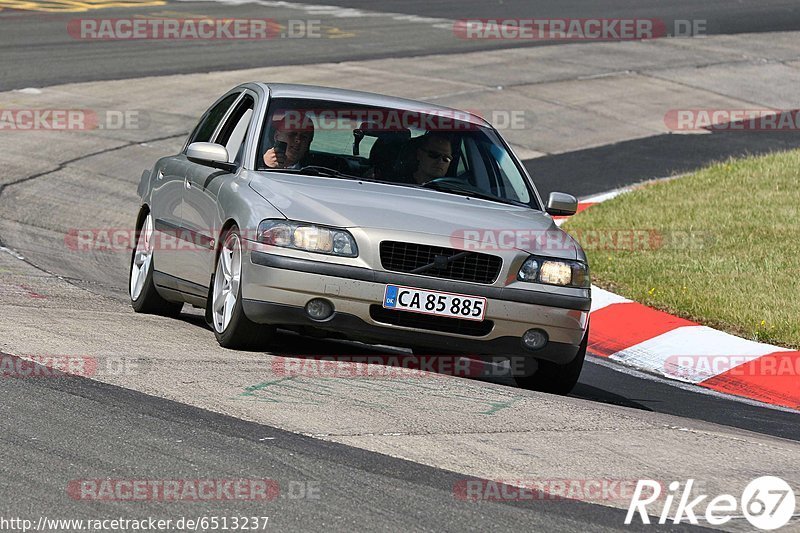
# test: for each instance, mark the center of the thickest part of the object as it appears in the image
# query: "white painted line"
(602, 298)
(602, 197)
(12, 252)
(693, 353)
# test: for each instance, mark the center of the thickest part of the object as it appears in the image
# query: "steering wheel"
(449, 180)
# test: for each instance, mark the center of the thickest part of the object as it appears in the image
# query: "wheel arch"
(144, 209)
(226, 226)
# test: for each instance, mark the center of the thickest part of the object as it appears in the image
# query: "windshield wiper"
(314, 170)
(465, 191)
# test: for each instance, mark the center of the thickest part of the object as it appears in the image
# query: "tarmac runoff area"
(74, 304)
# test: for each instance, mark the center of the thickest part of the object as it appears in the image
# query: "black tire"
(241, 332)
(554, 378)
(149, 301)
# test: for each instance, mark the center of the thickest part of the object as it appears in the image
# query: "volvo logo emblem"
(440, 262)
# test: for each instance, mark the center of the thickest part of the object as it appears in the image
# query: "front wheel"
(554, 378)
(231, 327)
(142, 290)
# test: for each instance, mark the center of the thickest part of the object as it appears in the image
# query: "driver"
(296, 130)
(434, 155)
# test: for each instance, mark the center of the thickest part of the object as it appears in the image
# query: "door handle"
(187, 183)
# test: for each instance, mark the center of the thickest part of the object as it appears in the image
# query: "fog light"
(319, 309)
(533, 339)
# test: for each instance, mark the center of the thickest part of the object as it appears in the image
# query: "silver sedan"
(366, 217)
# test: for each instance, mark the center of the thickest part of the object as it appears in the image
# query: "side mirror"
(561, 204)
(210, 155)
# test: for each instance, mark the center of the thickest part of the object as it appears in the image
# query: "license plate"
(434, 303)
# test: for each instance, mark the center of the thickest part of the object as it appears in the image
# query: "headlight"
(555, 272)
(308, 237)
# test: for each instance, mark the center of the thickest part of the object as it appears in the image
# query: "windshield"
(441, 151)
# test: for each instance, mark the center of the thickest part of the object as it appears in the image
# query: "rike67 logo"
(767, 502)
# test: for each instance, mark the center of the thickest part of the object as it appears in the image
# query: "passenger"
(383, 156)
(297, 134)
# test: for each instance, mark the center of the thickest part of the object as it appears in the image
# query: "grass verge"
(720, 246)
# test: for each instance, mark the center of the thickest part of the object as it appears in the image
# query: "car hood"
(349, 203)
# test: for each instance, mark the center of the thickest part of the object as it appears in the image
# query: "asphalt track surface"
(138, 436)
(130, 429)
(724, 17)
(597, 170)
(37, 50)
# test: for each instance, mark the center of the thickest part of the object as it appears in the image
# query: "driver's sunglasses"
(302, 136)
(433, 154)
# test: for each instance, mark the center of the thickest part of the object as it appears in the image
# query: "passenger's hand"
(274, 159)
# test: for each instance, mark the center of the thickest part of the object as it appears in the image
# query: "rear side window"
(211, 119)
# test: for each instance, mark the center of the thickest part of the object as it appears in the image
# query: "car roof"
(314, 92)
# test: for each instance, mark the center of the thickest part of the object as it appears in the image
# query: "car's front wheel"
(554, 378)
(142, 290)
(231, 327)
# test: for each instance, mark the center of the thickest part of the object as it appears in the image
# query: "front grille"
(469, 266)
(444, 324)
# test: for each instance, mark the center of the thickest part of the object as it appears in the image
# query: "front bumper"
(276, 289)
